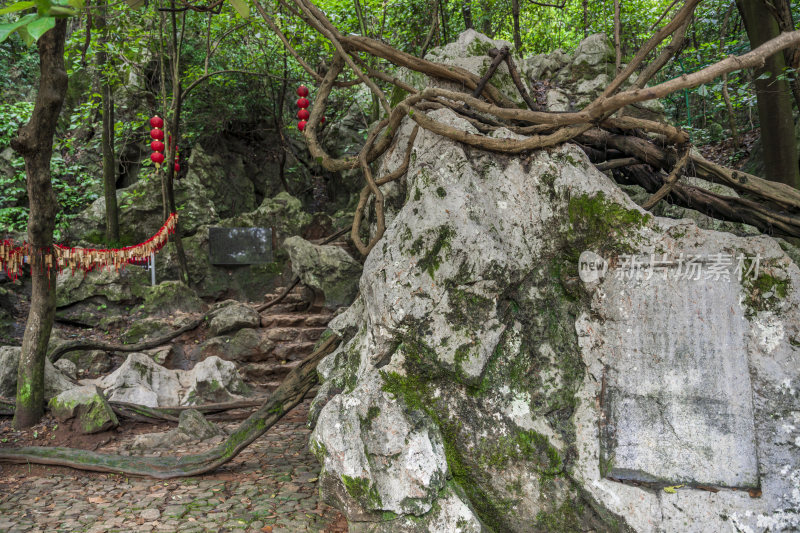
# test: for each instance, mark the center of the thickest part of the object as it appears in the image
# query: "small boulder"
(327, 268)
(245, 345)
(67, 367)
(91, 362)
(233, 318)
(88, 406)
(212, 380)
(194, 425)
(142, 381)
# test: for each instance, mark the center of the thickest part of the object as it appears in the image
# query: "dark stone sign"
(239, 246)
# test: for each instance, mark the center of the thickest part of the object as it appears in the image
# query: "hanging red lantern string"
(13, 257)
(157, 134)
(303, 103)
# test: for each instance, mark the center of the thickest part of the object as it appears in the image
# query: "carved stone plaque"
(239, 246)
(677, 399)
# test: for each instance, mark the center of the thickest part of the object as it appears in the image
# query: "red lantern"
(157, 134)
(303, 103)
(157, 158)
(302, 91)
(303, 114)
(177, 168)
(301, 125)
(157, 146)
(157, 122)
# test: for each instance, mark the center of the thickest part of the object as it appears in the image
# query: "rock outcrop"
(142, 381)
(482, 385)
(328, 269)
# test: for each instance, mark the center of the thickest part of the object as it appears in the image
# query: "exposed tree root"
(71, 346)
(544, 129)
(290, 393)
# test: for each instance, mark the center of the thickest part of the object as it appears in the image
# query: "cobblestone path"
(270, 487)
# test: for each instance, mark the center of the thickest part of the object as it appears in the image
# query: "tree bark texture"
(107, 142)
(35, 143)
(774, 98)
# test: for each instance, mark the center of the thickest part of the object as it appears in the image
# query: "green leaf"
(241, 7)
(19, 6)
(39, 27)
(26, 37)
(10, 27)
(43, 6)
(77, 4)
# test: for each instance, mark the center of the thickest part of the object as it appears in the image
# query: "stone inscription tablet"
(677, 397)
(239, 246)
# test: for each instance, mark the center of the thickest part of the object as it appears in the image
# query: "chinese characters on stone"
(715, 267)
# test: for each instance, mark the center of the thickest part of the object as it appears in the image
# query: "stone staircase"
(294, 326)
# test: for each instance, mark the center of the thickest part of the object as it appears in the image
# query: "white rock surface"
(142, 381)
(473, 330)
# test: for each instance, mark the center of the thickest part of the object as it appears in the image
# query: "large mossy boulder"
(328, 269)
(283, 213)
(232, 318)
(170, 296)
(87, 406)
(493, 377)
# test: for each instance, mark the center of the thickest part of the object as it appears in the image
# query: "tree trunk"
(107, 142)
(585, 18)
(774, 98)
(515, 16)
(791, 54)
(443, 11)
(617, 44)
(466, 10)
(174, 132)
(35, 144)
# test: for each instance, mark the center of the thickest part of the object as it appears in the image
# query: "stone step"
(318, 320)
(313, 334)
(279, 321)
(259, 372)
(293, 352)
(284, 334)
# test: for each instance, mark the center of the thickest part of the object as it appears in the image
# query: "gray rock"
(170, 296)
(212, 380)
(246, 345)
(233, 318)
(55, 382)
(224, 179)
(194, 425)
(144, 329)
(142, 381)
(88, 406)
(327, 268)
(67, 367)
(474, 330)
(92, 362)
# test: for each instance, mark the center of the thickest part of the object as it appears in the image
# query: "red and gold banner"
(12, 257)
